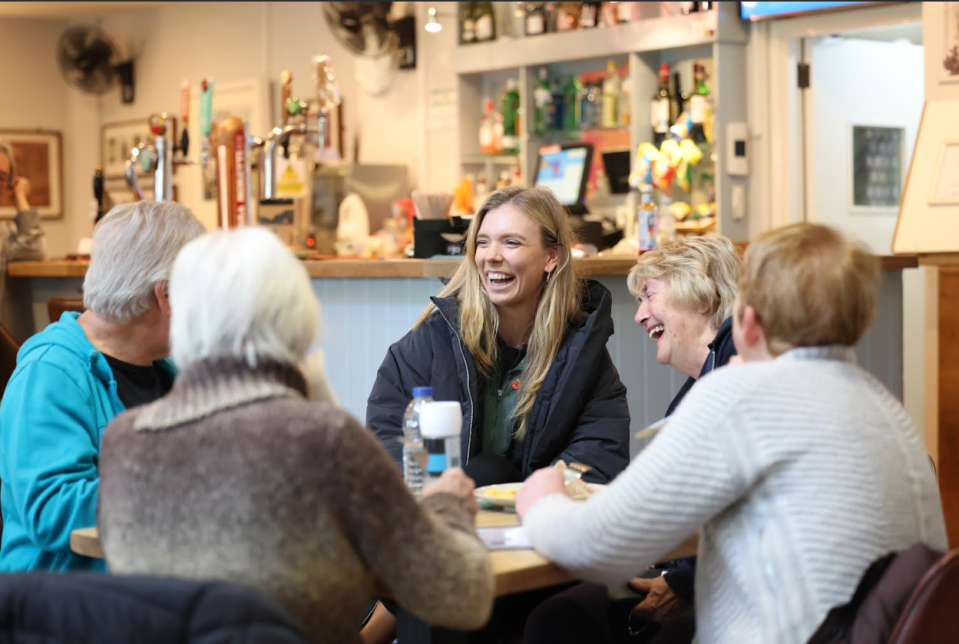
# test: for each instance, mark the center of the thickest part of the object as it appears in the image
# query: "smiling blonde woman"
(520, 341)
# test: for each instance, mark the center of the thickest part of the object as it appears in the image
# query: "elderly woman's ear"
(318, 387)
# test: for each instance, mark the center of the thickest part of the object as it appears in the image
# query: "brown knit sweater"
(234, 475)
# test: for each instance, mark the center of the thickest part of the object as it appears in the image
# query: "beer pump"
(327, 99)
(160, 156)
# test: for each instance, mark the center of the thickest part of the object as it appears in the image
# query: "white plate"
(504, 494)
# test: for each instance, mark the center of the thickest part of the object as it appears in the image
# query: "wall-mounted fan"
(90, 61)
(382, 41)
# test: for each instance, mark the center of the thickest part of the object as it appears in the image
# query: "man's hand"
(454, 481)
(21, 190)
(544, 482)
(660, 603)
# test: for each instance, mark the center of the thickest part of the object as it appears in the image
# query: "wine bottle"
(511, 118)
(542, 100)
(467, 23)
(484, 22)
(661, 113)
(679, 94)
(571, 92)
(612, 88)
(699, 108)
(589, 15)
(535, 18)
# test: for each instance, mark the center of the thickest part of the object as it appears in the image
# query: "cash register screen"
(565, 171)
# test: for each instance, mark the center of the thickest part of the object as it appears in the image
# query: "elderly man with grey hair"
(73, 377)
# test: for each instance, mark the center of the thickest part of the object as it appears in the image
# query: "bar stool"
(57, 306)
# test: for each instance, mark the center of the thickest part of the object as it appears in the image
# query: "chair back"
(932, 614)
(8, 357)
(57, 306)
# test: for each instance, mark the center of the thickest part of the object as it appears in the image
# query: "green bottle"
(511, 118)
(574, 115)
(542, 100)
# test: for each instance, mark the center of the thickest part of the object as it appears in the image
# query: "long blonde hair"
(560, 296)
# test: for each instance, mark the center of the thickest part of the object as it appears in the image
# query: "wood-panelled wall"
(949, 398)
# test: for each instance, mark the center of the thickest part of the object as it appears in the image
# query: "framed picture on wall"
(950, 45)
(876, 166)
(38, 155)
(118, 139)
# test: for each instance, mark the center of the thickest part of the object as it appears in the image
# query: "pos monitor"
(564, 169)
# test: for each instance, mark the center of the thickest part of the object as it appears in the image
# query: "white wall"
(190, 40)
(33, 94)
(845, 92)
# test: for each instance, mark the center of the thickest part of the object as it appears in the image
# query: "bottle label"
(647, 228)
(660, 115)
(624, 11)
(534, 24)
(436, 464)
(542, 96)
(698, 107)
(484, 28)
(587, 16)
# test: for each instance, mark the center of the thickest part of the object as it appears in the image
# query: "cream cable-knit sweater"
(801, 471)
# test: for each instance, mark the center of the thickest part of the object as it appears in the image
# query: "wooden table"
(516, 571)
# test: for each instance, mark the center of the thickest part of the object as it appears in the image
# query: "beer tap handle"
(98, 191)
(185, 118)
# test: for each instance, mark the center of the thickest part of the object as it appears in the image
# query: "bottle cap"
(422, 392)
(441, 419)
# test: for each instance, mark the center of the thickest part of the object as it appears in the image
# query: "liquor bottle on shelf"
(607, 14)
(558, 113)
(706, 6)
(699, 108)
(612, 88)
(678, 93)
(510, 106)
(484, 22)
(624, 12)
(591, 112)
(689, 7)
(625, 112)
(535, 18)
(486, 139)
(571, 94)
(467, 23)
(567, 16)
(498, 130)
(542, 101)
(589, 15)
(661, 112)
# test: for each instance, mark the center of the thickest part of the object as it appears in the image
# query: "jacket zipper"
(469, 393)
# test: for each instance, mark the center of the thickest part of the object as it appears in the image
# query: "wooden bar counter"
(369, 304)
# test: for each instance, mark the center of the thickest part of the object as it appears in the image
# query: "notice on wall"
(945, 190)
(441, 110)
(291, 177)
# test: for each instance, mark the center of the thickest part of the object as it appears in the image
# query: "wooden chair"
(931, 616)
(57, 306)
(8, 356)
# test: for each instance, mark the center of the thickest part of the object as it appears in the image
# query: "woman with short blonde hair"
(799, 468)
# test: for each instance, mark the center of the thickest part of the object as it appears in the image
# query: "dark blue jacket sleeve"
(406, 365)
(601, 437)
(682, 578)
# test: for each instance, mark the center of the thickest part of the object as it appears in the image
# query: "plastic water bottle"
(414, 457)
(441, 423)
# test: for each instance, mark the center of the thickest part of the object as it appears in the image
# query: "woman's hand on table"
(544, 482)
(454, 481)
(660, 602)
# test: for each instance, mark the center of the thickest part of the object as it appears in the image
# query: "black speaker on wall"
(405, 28)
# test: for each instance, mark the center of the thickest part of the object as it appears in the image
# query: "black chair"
(88, 608)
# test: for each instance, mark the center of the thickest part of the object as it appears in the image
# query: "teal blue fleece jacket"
(57, 403)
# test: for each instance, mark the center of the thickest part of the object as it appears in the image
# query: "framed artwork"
(118, 139)
(118, 191)
(39, 157)
(945, 186)
(950, 49)
(877, 166)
